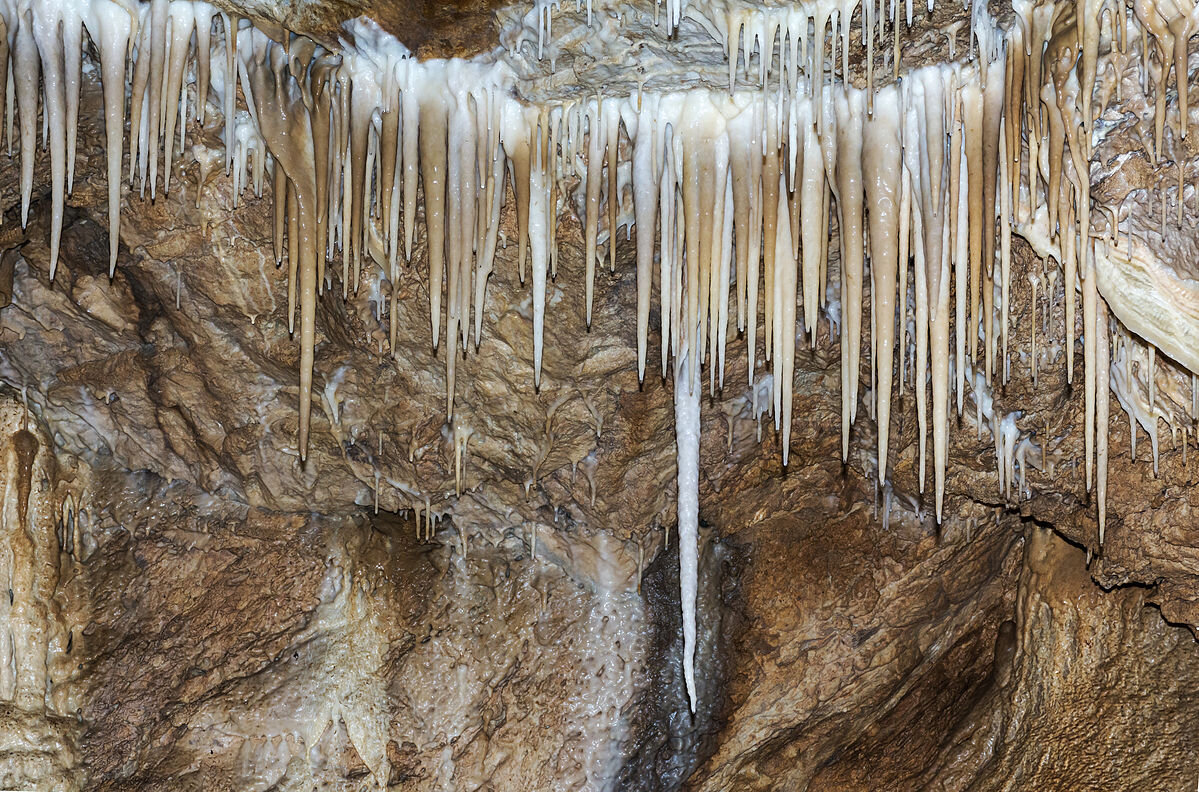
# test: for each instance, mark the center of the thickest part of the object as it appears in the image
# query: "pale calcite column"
(31, 627)
(37, 739)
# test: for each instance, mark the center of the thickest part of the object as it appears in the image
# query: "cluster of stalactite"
(731, 189)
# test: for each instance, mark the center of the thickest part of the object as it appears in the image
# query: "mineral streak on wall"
(731, 182)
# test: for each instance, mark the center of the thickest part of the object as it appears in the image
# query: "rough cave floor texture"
(701, 395)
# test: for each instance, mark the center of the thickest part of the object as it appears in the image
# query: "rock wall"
(493, 604)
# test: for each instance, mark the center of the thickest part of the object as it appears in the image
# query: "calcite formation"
(872, 182)
(38, 740)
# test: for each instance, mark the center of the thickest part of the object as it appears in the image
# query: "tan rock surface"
(239, 622)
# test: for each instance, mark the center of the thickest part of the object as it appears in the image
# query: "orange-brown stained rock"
(25, 445)
(430, 28)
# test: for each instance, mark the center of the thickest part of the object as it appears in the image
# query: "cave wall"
(493, 603)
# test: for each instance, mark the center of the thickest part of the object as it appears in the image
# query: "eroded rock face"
(1047, 691)
(365, 656)
(493, 604)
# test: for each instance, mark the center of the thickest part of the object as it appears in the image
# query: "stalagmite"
(25, 445)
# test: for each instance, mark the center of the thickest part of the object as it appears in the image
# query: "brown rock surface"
(237, 621)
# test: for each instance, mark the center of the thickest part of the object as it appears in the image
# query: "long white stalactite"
(688, 390)
(732, 187)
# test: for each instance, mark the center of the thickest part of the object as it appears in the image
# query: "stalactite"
(687, 392)
(972, 109)
(115, 27)
(595, 148)
(732, 190)
(959, 244)
(611, 159)
(882, 165)
(1102, 386)
(850, 113)
(182, 22)
(993, 95)
(646, 190)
